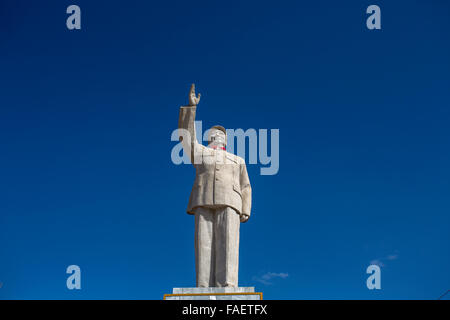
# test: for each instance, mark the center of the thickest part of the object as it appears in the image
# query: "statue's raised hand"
(193, 100)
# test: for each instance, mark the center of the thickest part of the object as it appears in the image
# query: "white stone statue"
(220, 200)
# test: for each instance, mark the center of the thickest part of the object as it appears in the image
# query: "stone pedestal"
(214, 293)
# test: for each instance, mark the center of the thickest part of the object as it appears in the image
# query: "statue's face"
(217, 137)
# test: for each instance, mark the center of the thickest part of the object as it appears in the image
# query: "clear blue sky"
(86, 117)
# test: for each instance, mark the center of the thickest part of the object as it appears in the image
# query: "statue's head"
(217, 136)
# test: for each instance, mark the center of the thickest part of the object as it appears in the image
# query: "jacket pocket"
(231, 159)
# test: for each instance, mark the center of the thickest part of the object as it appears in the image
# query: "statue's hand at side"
(193, 100)
(243, 217)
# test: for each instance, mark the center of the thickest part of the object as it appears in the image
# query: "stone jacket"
(221, 178)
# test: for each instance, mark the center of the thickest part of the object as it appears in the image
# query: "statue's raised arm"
(186, 125)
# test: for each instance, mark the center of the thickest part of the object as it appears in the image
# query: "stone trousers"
(216, 246)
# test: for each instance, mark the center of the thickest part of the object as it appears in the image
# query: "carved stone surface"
(214, 293)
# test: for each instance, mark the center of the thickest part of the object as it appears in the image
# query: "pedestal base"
(214, 293)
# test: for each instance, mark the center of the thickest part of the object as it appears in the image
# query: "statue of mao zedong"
(220, 200)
